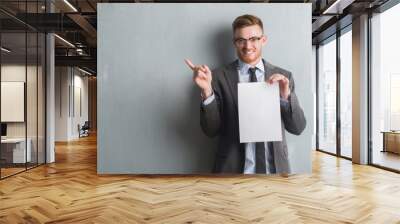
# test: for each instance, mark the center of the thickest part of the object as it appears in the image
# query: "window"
(346, 94)
(385, 89)
(327, 96)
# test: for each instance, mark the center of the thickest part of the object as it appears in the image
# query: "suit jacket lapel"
(267, 69)
(232, 77)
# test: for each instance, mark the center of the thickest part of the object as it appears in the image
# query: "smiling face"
(248, 42)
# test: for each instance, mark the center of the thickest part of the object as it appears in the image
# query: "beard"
(249, 58)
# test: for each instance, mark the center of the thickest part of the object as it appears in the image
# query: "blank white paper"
(259, 112)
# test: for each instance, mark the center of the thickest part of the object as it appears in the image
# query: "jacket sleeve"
(210, 114)
(293, 115)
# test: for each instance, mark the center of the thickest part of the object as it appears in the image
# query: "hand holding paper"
(283, 84)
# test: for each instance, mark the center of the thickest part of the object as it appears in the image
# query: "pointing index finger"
(190, 64)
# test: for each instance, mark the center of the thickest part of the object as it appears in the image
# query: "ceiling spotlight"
(337, 7)
(70, 5)
(79, 51)
(65, 41)
(5, 50)
(84, 71)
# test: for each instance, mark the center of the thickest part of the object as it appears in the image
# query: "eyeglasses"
(242, 41)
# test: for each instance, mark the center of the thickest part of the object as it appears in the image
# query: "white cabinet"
(18, 149)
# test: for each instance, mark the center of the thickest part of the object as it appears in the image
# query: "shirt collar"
(244, 68)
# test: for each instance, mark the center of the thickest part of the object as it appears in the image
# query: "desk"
(391, 141)
(15, 148)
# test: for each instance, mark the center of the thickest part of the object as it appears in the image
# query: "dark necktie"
(260, 147)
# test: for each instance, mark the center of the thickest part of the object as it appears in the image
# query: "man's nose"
(247, 44)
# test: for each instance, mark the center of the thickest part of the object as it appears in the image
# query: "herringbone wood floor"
(70, 191)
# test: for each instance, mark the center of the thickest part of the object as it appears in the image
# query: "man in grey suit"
(219, 107)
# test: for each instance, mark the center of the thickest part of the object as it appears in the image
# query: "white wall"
(79, 117)
(70, 83)
(61, 103)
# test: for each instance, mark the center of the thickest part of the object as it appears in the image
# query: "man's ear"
(264, 40)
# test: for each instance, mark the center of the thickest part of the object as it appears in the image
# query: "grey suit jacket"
(220, 118)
